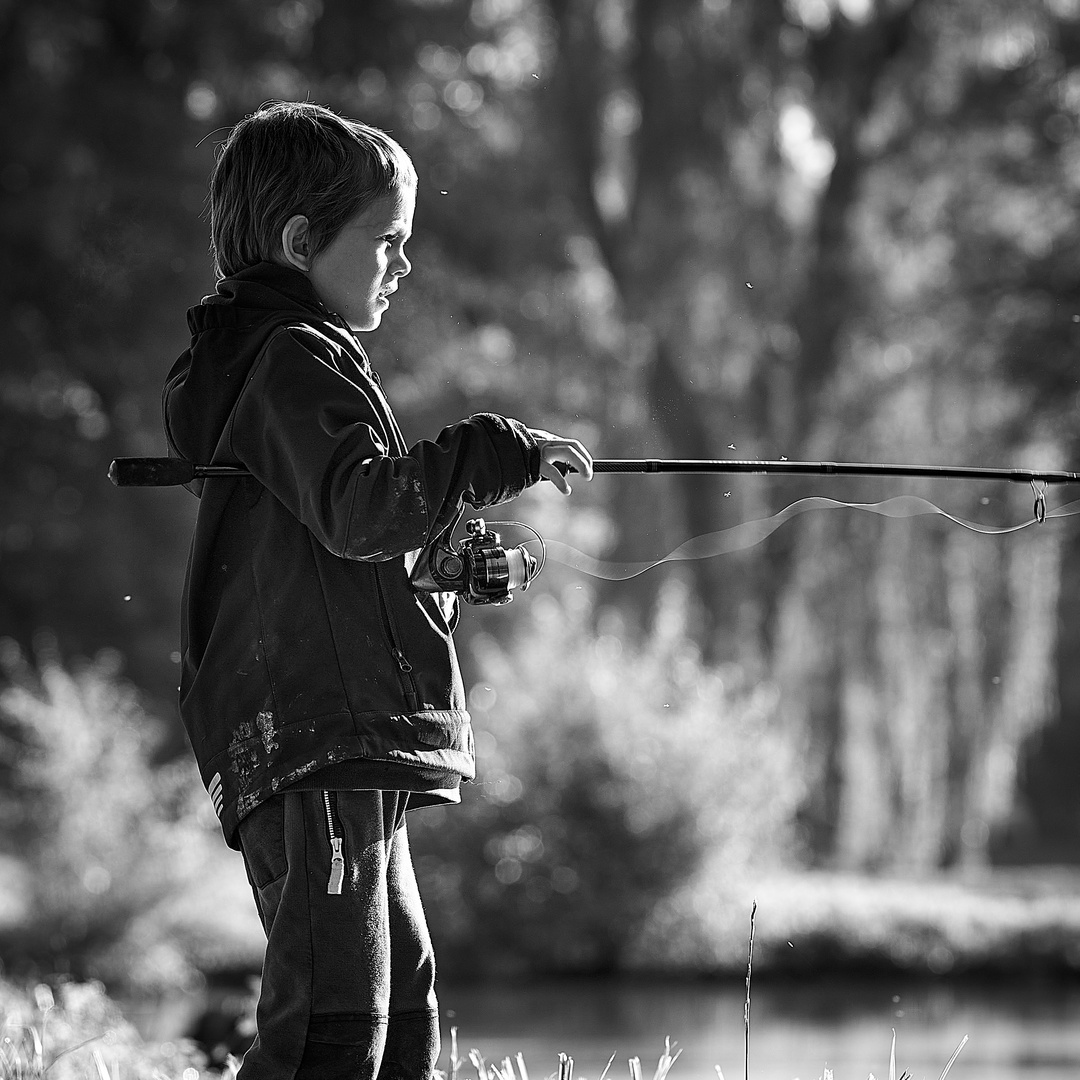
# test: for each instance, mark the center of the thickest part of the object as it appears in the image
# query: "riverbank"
(1000, 921)
(1005, 920)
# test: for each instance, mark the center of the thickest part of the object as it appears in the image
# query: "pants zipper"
(337, 859)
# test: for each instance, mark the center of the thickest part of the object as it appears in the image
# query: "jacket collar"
(265, 285)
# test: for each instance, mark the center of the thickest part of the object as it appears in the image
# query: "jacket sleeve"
(327, 447)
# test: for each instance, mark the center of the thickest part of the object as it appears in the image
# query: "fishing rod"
(167, 472)
(1034, 477)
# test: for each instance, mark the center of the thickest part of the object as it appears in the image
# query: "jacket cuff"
(519, 453)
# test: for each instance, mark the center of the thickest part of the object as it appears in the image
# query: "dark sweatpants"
(348, 985)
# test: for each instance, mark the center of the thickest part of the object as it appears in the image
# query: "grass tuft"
(79, 1034)
(76, 1032)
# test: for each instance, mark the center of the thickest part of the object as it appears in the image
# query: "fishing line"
(747, 534)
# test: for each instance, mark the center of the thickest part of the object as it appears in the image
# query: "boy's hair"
(296, 158)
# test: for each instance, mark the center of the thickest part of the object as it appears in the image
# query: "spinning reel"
(480, 569)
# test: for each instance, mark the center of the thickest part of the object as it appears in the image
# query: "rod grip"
(151, 472)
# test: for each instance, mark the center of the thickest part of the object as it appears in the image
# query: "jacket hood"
(228, 331)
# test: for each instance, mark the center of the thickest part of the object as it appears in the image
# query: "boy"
(320, 690)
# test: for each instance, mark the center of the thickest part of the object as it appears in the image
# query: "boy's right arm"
(317, 441)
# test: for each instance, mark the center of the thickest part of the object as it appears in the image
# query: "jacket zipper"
(337, 859)
(408, 682)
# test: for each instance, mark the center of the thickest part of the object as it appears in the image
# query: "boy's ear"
(295, 242)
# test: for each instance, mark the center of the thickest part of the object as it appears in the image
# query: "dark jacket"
(304, 644)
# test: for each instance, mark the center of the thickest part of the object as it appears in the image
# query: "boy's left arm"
(488, 480)
(317, 442)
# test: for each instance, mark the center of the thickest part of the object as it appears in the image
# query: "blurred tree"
(942, 651)
(873, 173)
(823, 228)
(102, 185)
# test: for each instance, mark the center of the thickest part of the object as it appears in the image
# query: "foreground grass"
(79, 1033)
(821, 922)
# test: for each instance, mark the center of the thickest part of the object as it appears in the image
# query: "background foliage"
(808, 228)
(112, 841)
(603, 791)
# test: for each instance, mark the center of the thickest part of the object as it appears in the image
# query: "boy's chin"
(371, 322)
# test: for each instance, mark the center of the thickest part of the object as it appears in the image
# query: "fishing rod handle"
(164, 471)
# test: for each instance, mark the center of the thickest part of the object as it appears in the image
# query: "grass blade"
(99, 1064)
(71, 1050)
(663, 1066)
(455, 1060)
(956, 1054)
(39, 1052)
(746, 1007)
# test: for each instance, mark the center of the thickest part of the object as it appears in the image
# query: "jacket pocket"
(262, 842)
(405, 669)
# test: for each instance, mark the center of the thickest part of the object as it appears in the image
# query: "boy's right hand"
(555, 451)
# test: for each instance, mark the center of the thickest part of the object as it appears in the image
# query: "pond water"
(1017, 1030)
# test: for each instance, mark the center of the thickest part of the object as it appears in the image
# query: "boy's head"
(290, 159)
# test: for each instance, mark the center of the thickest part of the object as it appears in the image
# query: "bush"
(106, 838)
(609, 772)
(78, 1032)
